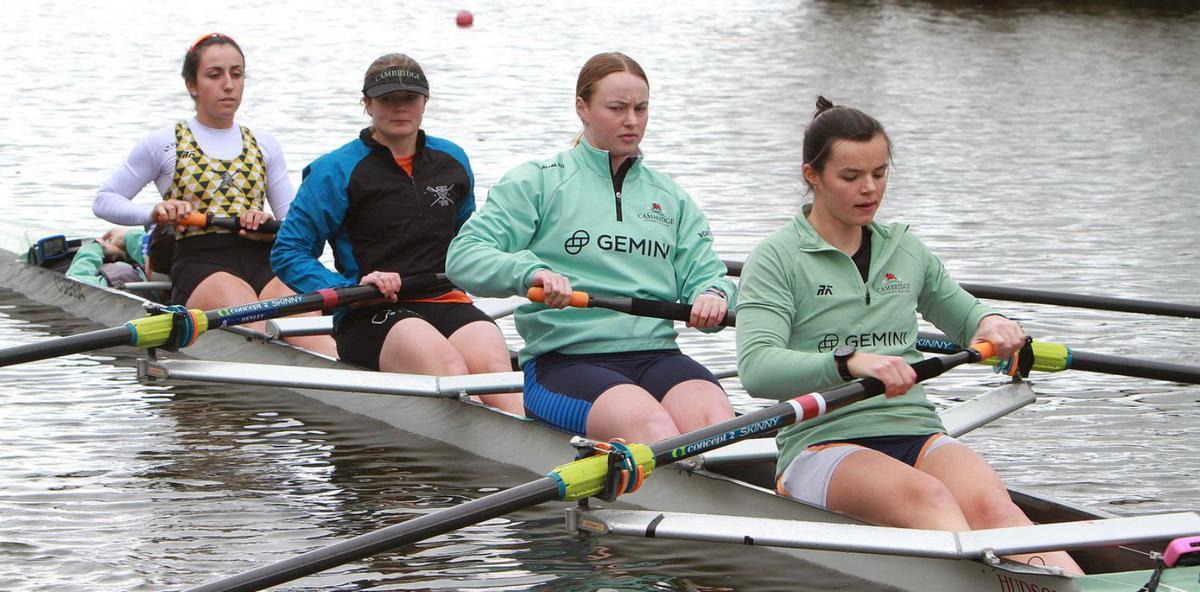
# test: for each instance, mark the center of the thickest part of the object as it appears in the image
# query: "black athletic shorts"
(361, 332)
(197, 257)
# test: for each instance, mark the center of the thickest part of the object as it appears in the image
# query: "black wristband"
(841, 357)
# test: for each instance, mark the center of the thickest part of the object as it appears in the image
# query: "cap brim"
(391, 87)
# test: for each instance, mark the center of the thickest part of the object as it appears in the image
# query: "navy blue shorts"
(906, 449)
(561, 388)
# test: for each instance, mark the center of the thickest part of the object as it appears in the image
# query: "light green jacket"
(562, 214)
(801, 299)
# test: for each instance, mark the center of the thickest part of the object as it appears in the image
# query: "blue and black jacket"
(375, 215)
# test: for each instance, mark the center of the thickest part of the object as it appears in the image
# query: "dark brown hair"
(601, 65)
(191, 60)
(834, 123)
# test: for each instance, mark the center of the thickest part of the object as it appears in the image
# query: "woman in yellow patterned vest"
(213, 165)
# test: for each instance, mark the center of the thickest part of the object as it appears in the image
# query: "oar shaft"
(654, 308)
(1078, 360)
(63, 346)
(399, 535)
(1084, 301)
(799, 409)
(156, 331)
(1090, 362)
(289, 305)
(1169, 309)
(733, 268)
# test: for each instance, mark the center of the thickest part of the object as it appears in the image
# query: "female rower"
(832, 297)
(389, 202)
(596, 218)
(210, 164)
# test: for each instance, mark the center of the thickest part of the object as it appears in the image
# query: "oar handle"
(985, 350)
(668, 310)
(578, 298)
(641, 307)
(202, 220)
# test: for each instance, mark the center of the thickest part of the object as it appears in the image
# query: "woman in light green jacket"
(595, 218)
(833, 297)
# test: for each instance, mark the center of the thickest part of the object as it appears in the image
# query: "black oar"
(1048, 357)
(200, 220)
(178, 327)
(1055, 357)
(635, 306)
(160, 329)
(1170, 309)
(580, 479)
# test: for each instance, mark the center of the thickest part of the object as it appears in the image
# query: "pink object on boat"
(1186, 549)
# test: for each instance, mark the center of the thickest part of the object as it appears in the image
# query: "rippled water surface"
(1046, 145)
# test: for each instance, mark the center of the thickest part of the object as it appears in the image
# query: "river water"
(1045, 145)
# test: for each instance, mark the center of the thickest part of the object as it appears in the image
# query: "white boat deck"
(859, 538)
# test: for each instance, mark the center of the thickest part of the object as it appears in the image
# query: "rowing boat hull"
(486, 433)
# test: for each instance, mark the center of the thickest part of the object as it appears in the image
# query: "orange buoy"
(464, 18)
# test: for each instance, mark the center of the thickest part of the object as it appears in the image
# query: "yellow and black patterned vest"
(224, 188)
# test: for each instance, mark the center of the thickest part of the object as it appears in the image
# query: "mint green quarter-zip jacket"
(801, 299)
(635, 233)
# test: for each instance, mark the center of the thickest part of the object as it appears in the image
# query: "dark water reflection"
(1038, 144)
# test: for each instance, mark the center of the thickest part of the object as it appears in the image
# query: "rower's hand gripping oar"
(582, 478)
(1055, 357)
(635, 306)
(180, 327)
(201, 220)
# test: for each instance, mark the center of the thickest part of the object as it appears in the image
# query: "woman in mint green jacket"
(833, 297)
(595, 218)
